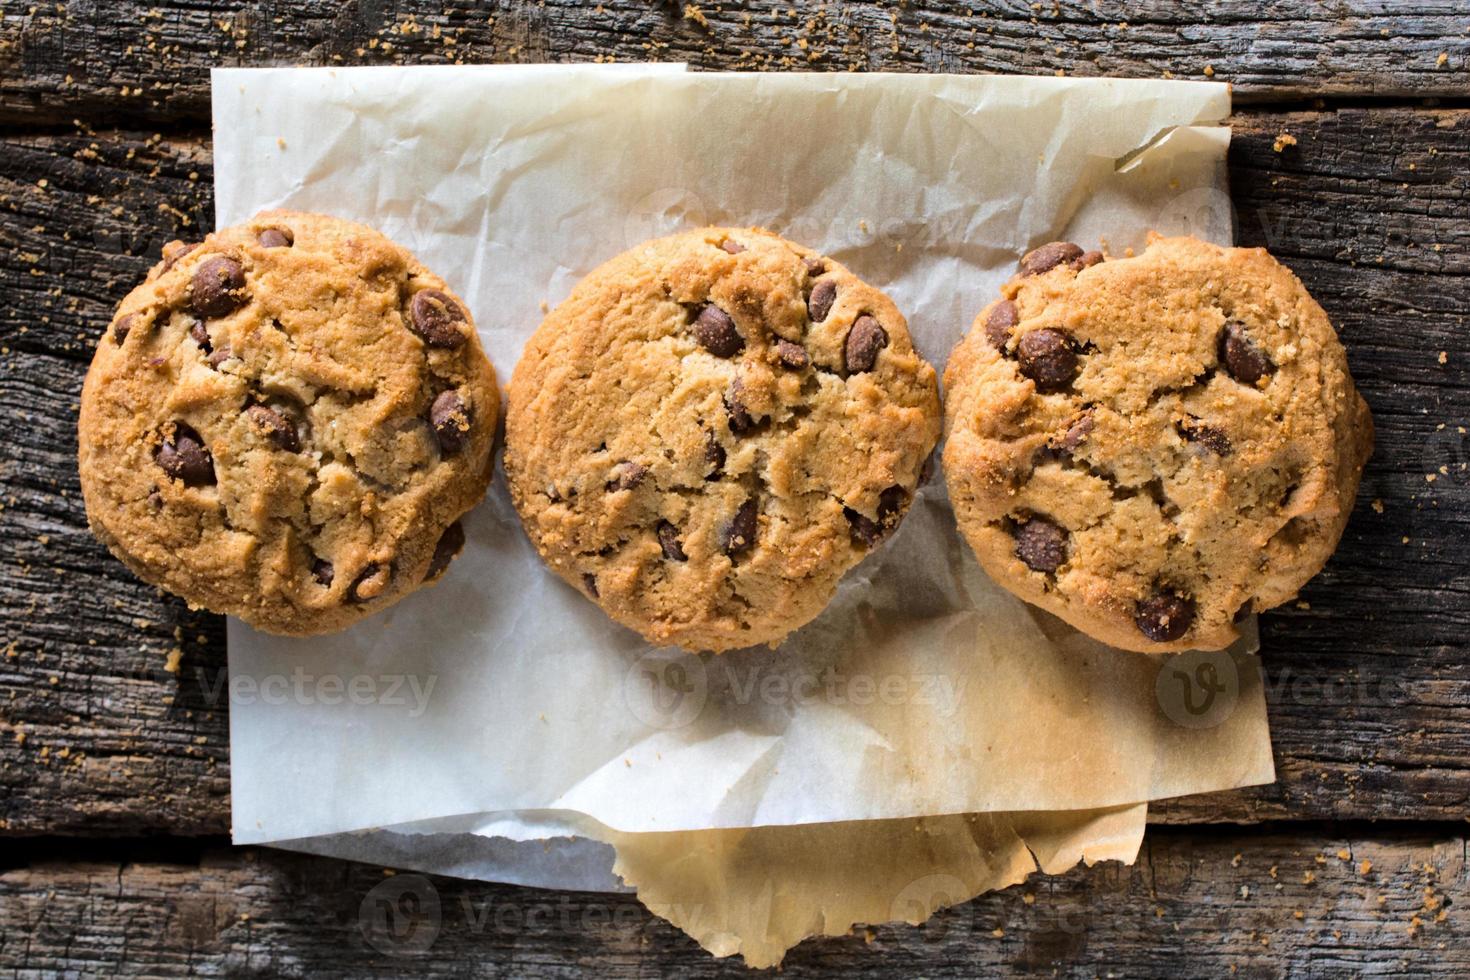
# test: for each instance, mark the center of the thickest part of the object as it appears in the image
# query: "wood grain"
(112, 719)
(1247, 904)
(149, 61)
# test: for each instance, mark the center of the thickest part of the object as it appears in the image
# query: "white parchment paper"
(501, 703)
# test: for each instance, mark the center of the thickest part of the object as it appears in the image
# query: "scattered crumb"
(1364, 867)
(1235, 861)
(1377, 505)
(1282, 142)
(1444, 56)
(998, 932)
(1444, 357)
(691, 12)
(281, 142)
(1209, 71)
(172, 663)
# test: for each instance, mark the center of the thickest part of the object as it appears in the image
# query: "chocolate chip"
(814, 265)
(819, 303)
(1210, 437)
(668, 540)
(926, 471)
(1041, 544)
(793, 356)
(628, 475)
(741, 421)
(1246, 362)
(864, 341)
(716, 333)
(450, 543)
(276, 238)
(277, 428)
(1000, 322)
(865, 531)
(1048, 359)
(451, 419)
(184, 457)
(1164, 616)
(220, 356)
(370, 583)
(217, 288)
(1048, 257)
(1077, 432)
(121, 329)
(739, 534)
(890, 505)
(589, 582)
(1088, 259)
(732, 246)
(714, 456)
(321, 570)
(437, 318)
(172, 255)
(200, 335)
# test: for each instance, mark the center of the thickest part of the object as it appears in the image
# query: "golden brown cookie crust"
(1152, 447)
(270, 430)
(712, 429)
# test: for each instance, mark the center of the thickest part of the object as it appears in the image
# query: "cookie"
(1153, 447)
(284, 423)
(712, 429)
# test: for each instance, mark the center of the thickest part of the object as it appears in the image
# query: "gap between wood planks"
(22, 852)
(190, 126)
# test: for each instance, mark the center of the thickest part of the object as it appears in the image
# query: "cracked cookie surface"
(285, 422)
(711, 429)
(1153, 447)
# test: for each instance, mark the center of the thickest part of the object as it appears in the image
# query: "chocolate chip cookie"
(1153, 447)
(712, 429)
(285, 422)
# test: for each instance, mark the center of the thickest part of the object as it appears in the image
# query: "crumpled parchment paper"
(501, 706)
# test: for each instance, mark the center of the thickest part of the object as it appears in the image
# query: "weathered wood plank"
(101, 721)
(149, 60)
(1255, 905)
(1369, 679)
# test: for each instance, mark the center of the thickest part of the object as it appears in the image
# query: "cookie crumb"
(1282, 142)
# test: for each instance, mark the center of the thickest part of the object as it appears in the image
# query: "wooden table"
(1351, 161)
